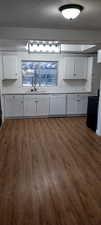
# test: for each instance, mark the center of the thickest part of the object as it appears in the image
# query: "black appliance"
(92, 112)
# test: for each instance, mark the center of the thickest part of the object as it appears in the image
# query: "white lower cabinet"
(57, 104)
(42, 105)
(13, 106)
(71, 105)
(37, 105)
(77, 104)
(30, 106)
(84, 103)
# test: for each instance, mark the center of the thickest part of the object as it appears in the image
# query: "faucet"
(35, 89)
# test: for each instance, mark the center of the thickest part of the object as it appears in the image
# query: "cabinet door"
(9, 67)
(80, 67)
(14, 106)
(57, 104)
(68, 67)
(71, 104)
(75, 67)
(79, 104)
(30, 106)
(42, 105)
(74, 104)
(84, 104)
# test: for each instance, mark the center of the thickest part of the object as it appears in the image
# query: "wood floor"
(50, 173)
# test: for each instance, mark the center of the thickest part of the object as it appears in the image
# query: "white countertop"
(42, 93)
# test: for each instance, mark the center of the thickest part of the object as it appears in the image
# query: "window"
(39, 73)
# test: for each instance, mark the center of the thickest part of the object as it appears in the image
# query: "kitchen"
(68, 96)
(50, 112)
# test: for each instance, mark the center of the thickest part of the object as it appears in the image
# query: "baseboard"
(46, 116)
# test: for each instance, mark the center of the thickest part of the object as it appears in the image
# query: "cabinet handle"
(74, 68)
(74, 74)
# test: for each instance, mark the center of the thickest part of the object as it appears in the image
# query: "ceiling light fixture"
(71, 11)
(43, 46)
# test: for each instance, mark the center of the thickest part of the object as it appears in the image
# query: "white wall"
(0, 74)
(98, 131)
(1, 88)
(99, 56)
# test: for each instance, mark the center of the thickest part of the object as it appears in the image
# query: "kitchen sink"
(35, 92)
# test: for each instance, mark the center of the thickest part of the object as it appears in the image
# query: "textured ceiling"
(45, 14)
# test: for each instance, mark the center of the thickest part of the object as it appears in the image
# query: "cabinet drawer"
(30, 97)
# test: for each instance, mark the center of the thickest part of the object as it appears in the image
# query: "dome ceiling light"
(71, 11)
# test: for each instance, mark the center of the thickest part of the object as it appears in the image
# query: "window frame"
(42, 61)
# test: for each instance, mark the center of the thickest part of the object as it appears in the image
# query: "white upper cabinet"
(75, 67)
(81, 67)
(9, 67)
(68, 67)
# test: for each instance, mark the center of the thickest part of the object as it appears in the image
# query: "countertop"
(44, 93)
